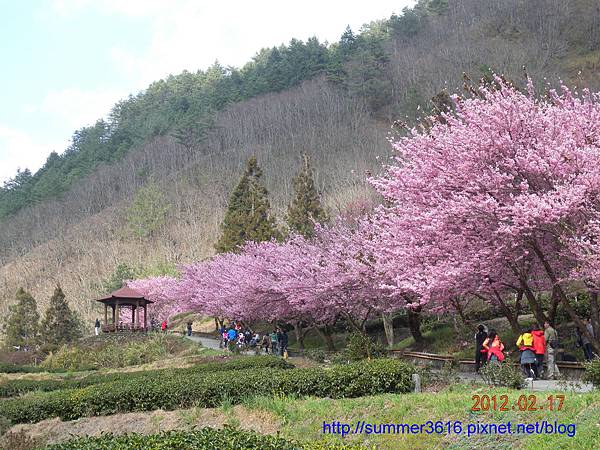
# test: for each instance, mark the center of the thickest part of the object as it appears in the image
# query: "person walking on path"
(163, 326)
(97, 327)
(223, 338)
(231, 338)
(551, 337)
(274, 342)
(266, 343)
(480, 352)
(189, 328)
(586, 344)
(494, 347)
(283, 343)
(539, 348)
(528, 360)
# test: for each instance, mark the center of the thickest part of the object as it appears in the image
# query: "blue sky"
(66, 62)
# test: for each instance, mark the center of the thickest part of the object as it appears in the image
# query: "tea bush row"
(16, 368)
(203, 439)
(209, 390)
(16, 387)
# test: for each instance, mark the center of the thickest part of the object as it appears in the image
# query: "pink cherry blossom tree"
(485, 200)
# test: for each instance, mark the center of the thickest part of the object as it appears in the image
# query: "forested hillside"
(185, 139)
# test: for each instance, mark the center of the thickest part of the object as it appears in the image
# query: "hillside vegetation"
(190, 135)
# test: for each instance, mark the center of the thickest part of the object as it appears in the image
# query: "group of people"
(536, 346)
(238, 336)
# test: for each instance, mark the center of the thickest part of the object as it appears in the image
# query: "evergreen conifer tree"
(148, 213)
(60, 325)
(22, 324)
(248, 215)
(306, 207)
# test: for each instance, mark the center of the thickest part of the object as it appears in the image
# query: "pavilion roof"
(126, 294)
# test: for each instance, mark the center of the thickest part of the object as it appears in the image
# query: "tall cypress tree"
(60, 325)
(306, 207)
(22, 324)
(248, 215)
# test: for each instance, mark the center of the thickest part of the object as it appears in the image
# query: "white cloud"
(192, 34)
(178, 35)
(79, 107)
(18, 150)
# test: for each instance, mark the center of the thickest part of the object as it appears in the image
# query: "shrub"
(592, 372)
(361, 346)
(205, 438)
(118, 350)
(209, 389)
(504, 374)
(17, 387)
(317, 355)
(339, 358)
(15, 368)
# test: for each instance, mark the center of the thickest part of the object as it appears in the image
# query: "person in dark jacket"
(588, 351)
(189, 328)
(97, 327)
(480, 352)
(282, 340)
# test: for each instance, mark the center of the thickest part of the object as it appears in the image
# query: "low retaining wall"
(571, 370)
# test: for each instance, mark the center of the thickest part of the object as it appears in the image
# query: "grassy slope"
(303, 419)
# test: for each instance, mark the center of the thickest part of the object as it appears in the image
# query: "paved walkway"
(538, 385)
(206, 342)
(213, 343)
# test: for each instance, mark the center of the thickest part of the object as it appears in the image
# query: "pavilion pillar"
(132, 315)
(137, 316)
(105, 314)
(114, 312)
(145, 315)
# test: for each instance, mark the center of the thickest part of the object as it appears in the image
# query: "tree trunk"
(325, 334)
(513, 318)
(563, 298)
(536, 308)
(414, 324)
(595, 312)
(455, 301)
(388, 327)
(299, 335)
(554, 306)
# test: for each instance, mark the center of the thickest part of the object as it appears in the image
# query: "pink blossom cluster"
(501, 197)
(314, 281)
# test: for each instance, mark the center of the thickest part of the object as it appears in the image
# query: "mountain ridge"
(340, 117)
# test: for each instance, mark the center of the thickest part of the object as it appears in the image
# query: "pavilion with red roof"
(129, 299)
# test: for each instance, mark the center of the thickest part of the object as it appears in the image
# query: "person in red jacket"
(539, 348)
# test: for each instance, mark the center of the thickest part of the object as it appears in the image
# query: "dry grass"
(55, 430)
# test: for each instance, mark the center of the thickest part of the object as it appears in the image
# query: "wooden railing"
(122, 328)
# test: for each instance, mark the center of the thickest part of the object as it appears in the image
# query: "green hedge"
(592, 372)
(204, 439)
(15, 368)
(209, 390)
(17, 387)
